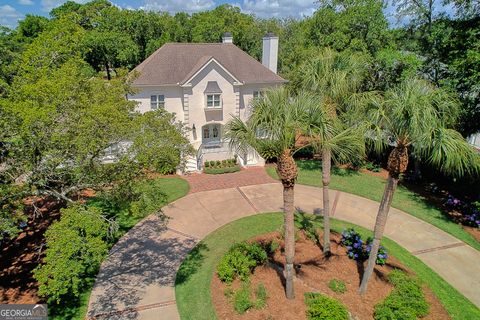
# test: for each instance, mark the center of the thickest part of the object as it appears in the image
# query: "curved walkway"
(137, 280)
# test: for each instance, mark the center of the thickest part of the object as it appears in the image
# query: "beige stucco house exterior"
(205, 85)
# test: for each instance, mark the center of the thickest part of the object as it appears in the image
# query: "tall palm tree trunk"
(288, 200)
(397, 164)
(379, 229)
(326, 173)
(287, 171)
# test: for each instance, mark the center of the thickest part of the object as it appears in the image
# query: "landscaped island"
(244, 279)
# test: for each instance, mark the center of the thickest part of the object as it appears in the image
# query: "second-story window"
(214, 101)
(157, 101)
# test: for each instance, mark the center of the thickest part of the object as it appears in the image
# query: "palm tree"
(415, 117)
(333, 77)
(273, 131)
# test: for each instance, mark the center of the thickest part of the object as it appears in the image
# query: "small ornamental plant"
(470, 212)
(359, 250)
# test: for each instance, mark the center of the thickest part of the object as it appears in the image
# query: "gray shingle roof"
(212, 87)
(175, 63)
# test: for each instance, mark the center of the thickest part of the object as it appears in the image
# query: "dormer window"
(157, 101)
(214, 101)
(213, 96)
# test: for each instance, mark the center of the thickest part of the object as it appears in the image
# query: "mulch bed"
(19, 256)
(313, 276)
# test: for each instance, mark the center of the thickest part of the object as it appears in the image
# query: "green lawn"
(192, 287)
(371, 187)
(172, 187)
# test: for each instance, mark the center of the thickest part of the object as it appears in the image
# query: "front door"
(211, 134)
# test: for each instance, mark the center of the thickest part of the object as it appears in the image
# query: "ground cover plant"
(321, 307)
(337, 286)
(242, 299)
(405, 302)
(221, 166)
(371, 187)
(194, 279)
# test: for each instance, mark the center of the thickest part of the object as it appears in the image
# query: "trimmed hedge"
(221, 170)
(320, 307)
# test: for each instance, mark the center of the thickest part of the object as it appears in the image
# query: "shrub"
(241, 299)
(405, 302)
(218, 163)
(76, 245)
(273, 246)
(337, 286)
(305, 153)
(370, 166)
(470, 212)
(382, 254)
(207, 164)
(261, 295)
(240, 260)
(358, 250)
(320, 307)
(352, 240)
(215, 170)
(306, 224)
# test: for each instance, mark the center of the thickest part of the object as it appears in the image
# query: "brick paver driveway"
(246, 177)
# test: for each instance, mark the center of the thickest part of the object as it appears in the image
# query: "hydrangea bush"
(470, 212)
(359, 250)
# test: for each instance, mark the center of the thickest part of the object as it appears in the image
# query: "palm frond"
(451, 153)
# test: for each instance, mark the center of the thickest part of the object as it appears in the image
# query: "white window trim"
(158, 103)
(214, 107)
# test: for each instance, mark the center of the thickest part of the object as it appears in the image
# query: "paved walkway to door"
(246, 177)
(137, 280)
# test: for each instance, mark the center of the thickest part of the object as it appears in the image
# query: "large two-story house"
(205, 85)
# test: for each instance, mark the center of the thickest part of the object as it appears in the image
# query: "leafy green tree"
(415, 117)
(31, 26)
(466, 8)
(272, 131)
(353, 25)
(391, 67)
(66, 120)
(109, 51)
(75, 247)
(333, 78)
(457, 48)
(65, 9)
(159, 142)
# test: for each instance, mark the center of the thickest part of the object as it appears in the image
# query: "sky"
(13, 10)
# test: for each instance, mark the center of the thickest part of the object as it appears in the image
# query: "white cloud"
(279, 8)
(48, 5)
(173, 6)
(9, 16)
(26, 2)
(261, 8)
